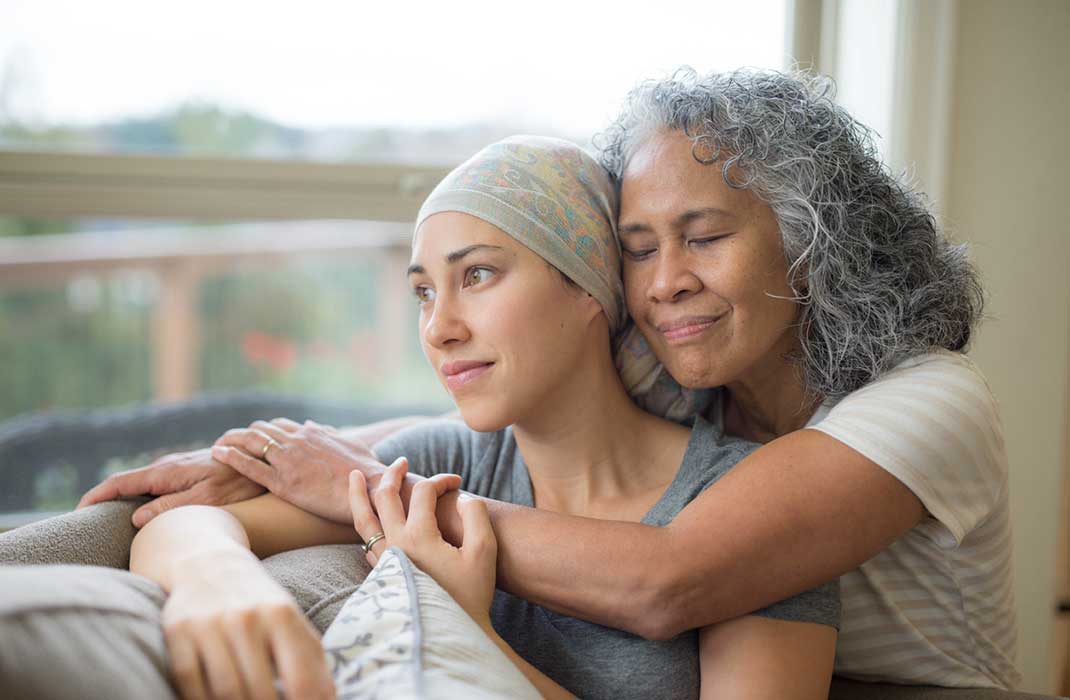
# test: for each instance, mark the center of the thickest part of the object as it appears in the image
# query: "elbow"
(657, 630)
(659, 612)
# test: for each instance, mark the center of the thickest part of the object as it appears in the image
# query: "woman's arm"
(273, 525)
(798, 511)
(195, 478)
(803, 509)
(230, 629)
(761, 658)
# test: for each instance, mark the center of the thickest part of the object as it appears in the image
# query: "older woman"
(769, 254)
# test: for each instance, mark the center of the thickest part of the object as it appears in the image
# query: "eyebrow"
(681, 220)
(454, 256)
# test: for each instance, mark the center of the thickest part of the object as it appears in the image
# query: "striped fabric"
(937, 607)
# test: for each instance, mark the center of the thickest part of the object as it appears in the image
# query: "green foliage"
(203, 128)
(26, 226)
(57, 357)
(306, 329)
(193, 127)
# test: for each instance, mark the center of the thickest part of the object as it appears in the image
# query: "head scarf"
(551, 196)
(556, 200)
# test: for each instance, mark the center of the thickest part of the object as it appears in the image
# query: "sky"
(559, 64)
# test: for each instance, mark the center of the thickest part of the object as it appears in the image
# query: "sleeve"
(933, 423)
(820, 605)
(432, 447)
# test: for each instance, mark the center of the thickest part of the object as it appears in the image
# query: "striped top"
(937, 606)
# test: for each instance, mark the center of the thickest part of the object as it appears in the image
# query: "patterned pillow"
(401, 635)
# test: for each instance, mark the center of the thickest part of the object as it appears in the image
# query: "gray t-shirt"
(591, 660)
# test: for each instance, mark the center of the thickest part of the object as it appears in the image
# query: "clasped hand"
(467, 572)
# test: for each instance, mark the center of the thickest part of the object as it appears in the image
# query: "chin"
(483, 418)
(695, 372)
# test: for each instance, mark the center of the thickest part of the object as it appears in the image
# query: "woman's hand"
(183, 478)
(306, 464)
(467, 572)
(231, 630)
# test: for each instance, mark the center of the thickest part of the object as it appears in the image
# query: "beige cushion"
(70, 631)
(80, 632)
(99, 535)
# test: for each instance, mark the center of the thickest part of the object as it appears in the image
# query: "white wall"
(1008, 193)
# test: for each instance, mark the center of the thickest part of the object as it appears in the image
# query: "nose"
(445, 325)
(673, 277)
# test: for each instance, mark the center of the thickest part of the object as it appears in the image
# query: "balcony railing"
(178, 259)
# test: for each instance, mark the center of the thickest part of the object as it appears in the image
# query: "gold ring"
(367, 546)
(270, 443)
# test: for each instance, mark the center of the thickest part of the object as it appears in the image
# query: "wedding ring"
(367, 546)
(270, 443)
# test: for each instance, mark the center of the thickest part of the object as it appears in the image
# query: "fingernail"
(218, 450)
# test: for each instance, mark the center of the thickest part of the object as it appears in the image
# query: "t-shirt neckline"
(524, 493)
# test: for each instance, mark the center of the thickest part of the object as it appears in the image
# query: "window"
(422, 82)
(203, 200)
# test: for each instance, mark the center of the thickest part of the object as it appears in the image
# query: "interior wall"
(1007, 196)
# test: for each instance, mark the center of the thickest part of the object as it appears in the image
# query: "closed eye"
(639, 254)
(706, 240)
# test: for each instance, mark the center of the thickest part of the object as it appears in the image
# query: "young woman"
(515, 266)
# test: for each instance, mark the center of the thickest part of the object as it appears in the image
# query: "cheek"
(635, 284)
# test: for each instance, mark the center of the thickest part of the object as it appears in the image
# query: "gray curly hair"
(875, 280)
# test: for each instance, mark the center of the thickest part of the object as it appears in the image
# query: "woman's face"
(502, 328)
(703, 268)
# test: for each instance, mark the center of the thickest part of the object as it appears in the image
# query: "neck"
(770, 401)
(593, 446)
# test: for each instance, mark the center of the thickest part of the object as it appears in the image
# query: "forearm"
(768, 530)
(758, 657)
(174, 539)
(608, 572)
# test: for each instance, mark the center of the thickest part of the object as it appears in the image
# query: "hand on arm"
(195, 478)
(307, 465)
(183, 478)
(802, 510)
(466, 572)
(230, 629)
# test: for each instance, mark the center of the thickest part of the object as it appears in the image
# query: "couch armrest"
(99, 535)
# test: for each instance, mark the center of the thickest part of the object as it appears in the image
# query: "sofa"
(86, 627)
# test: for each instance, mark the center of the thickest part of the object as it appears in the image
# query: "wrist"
(449, 518)
(230, 563)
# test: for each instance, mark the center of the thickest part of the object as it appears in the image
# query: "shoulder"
(448, 442)
(933, 395)
(711, 453)
(933, 423)
(708, 436)
(950, 378)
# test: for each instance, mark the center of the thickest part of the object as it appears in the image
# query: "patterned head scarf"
(552, 197)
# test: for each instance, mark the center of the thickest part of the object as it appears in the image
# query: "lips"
(460, 373)
(686, 326)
